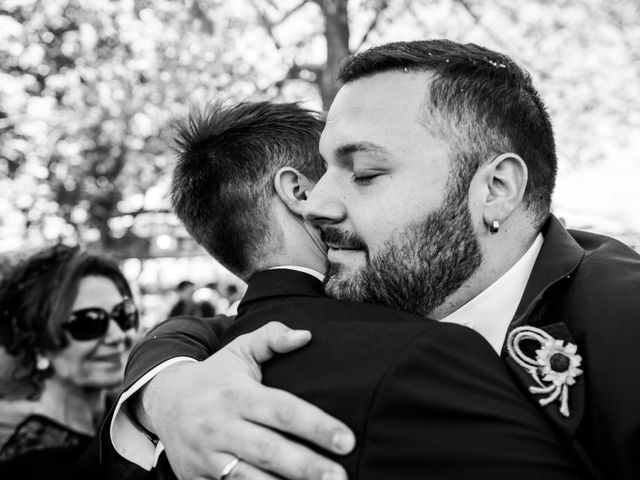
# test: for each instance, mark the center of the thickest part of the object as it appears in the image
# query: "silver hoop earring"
(42, 363)
(494, 227)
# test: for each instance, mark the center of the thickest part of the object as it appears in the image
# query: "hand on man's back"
(210, 412)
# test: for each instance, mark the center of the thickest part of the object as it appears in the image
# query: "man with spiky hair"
(436, 200)
(240, 185)
(223, 185)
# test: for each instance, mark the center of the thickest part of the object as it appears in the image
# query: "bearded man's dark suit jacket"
(584, 288)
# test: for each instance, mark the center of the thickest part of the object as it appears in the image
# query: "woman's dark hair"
(36, 298)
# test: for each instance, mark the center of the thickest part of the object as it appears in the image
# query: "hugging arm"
(178, 340)
(188, 337)
(206, 413)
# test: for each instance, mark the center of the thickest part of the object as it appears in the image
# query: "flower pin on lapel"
(554, 368)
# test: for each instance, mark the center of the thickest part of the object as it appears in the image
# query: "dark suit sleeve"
(192, 337)
(450, 398)
(605, 311)
(613, 429)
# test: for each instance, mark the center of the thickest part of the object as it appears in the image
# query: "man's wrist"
(146, 404)
(135, 411)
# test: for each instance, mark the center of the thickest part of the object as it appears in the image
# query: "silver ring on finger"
(226, 471)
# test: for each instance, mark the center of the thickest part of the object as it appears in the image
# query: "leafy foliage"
(88, 89)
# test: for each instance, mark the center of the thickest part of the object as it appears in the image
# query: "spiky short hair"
(480, 102)
(223, 180)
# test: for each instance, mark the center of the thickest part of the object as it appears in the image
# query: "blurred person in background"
(185, 304)
(229, 300)
(206, 298)
(67, 325)
(234, 295)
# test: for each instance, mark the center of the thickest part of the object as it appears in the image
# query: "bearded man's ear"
(293, 188)
(505, 180)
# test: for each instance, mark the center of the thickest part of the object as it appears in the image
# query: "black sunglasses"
(92, 323)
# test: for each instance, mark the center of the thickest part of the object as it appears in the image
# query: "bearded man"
(436, 200)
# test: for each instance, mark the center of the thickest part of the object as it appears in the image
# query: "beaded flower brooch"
(554, 368)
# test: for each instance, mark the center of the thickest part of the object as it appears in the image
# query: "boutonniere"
(554, 368)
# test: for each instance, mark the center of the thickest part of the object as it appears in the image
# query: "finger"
(266, 450)
(242, 471)
(274, 337)
(283, 411)
(289, 341)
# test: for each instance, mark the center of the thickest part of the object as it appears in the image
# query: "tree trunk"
(336, 34)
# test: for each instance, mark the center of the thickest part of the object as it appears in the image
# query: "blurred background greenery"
(88, 90)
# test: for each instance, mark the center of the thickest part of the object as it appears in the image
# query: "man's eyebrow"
(365, 147)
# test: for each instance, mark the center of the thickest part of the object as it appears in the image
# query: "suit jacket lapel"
(559, 257)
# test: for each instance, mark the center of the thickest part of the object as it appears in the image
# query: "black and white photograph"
(319, 239)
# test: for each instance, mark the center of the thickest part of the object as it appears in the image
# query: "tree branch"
(295, 69)
(269, 24)
(277, 84)
(294, 74)
(476, 18)
(199, 14)
(469, 10)
(380, 8)
(142, 211)
(291, 11)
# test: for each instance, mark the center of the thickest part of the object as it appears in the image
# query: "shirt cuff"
(127, 438)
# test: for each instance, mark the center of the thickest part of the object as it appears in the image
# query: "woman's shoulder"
(12, 414)
(37, 432)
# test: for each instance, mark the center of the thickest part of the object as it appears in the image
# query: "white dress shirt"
(306, 270)
(489, 313)
(492, 310)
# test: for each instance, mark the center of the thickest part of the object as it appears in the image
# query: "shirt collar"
(297, 268)
(492, 310)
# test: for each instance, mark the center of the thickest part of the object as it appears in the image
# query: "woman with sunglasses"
(67, 321)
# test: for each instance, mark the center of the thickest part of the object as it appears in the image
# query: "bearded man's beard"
(417, 269)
